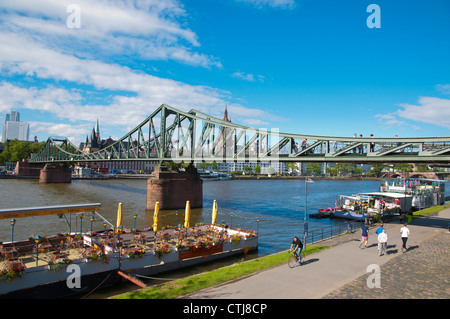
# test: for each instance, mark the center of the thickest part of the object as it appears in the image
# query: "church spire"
(225, 116)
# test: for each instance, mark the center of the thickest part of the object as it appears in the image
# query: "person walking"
(404, 231)
(364, 235)
(378, 232)
(382, 242)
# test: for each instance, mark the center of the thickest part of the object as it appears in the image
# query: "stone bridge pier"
(173, 188)
(52, 173)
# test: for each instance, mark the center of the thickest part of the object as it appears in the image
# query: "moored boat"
(351, 207)
(323, 213)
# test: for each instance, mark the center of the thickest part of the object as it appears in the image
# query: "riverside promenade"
(341, 271)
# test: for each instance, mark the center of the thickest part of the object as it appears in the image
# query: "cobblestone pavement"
(422, 272)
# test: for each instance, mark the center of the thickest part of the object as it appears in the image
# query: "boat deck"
(67, 248)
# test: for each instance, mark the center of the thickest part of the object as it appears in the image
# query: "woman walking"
(364, 235)
(404, 231)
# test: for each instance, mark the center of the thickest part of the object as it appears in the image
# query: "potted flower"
(58, 262)
(15, 271)
(181, 247)
(162, 251)
(235, 239)
(136, 253)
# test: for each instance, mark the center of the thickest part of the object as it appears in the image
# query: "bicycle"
(293, 259)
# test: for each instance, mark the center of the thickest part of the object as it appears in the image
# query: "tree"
(247, 169)
(16, 150)
(344, 168)
(271, 170)
(377, 168)
(404, 167)
(205, 165)
(423, 167)
(257, 169)
(313, 168)
(290, 166)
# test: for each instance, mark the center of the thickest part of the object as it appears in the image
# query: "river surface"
(278, 204)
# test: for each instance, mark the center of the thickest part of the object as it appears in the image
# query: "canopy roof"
(48, 210)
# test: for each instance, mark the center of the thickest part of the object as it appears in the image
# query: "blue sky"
(301, 66)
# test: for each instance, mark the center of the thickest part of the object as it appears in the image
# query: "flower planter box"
(200, 251)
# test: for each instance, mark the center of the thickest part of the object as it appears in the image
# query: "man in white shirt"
(404, 231)
(382, 242)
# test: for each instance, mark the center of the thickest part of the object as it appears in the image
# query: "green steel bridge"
(169, 134)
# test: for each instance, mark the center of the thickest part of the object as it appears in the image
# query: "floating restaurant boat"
(77, 263)
(394, 197)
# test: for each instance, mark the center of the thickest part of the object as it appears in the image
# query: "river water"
(278, 204)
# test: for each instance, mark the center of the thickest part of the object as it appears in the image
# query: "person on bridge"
(304, 145)
(297, 247)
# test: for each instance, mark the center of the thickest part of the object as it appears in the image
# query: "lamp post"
(176, 218)
(231, 221)
(91, 219)
(104, 225)
(36, 240)
(81, 224)
(13, 222)
(305, 230)
(134, 225)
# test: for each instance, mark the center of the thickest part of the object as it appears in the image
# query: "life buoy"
(397, 201)
(382, 203)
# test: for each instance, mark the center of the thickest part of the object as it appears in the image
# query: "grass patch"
(429, 211)
(194, 283)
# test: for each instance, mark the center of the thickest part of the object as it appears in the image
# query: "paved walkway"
(341, 271)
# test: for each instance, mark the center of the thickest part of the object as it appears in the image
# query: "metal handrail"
(327, 232)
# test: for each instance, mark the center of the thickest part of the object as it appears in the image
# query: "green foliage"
(313, 168)
(207, 166)
(290, 166)
(18, 150)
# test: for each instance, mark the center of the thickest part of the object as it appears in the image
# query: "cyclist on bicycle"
(297, 245)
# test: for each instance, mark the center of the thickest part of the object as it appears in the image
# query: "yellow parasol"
(155, 217)
(119, 217)
(214, 213)
(187, 214)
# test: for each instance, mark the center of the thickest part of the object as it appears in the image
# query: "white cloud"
(444, 88)
(248, 76)
(287, 4)
(431, 110)
(146, 28)
(54, 70)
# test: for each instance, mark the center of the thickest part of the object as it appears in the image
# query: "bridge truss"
(169, 134)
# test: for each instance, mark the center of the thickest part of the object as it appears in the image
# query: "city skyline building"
(13, 128)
